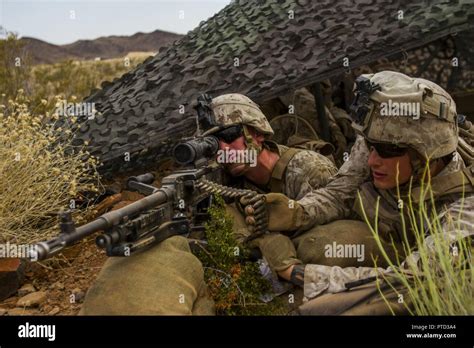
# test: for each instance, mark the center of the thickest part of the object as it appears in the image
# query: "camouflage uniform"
(339, 122)
(169, 279)
(300, 172)
(321, 278)
(306, 171)
(434, 135)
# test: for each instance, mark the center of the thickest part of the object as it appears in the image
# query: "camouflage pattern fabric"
(307, 171)
(305, 106)
(432, 132)
(424, 118)
(389, 225)
(362, 300)
(233, 109)
(335, 201)
(320, 278)
(277, 54)
(168, 279)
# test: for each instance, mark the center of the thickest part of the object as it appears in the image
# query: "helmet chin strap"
(419, 165)
(251, 144)
(419, 172)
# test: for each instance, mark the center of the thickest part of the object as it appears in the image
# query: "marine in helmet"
(239, 124)
(408, 136)
(151, 282)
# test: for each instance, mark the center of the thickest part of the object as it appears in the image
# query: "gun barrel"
(47, 248)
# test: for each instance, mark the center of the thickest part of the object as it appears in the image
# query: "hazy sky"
(65, 21)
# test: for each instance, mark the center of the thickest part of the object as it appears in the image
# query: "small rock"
(11, 301)
(20, 311)
(78, 295)
(12, 273)
(26, 289)
(46, 308)
(32, 300)
(3, 311)
(58, 285)
(54, 311)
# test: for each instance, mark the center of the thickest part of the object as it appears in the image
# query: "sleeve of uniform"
(456, 221)
(333, 279)
(335, 200)
(307, 171)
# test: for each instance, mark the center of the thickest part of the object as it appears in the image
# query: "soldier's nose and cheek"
(374, 161)
(235, 169)
(237, 144)
(385, 170)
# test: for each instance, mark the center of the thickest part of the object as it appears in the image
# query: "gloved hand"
(283, 214)
(272, 212)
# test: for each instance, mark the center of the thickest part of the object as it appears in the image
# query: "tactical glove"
(283, 214)
(272, 212)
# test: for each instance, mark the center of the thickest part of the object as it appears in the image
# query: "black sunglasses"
(229, 134)
(387, 150)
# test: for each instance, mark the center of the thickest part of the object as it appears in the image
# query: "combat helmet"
(393, 108)
(229, 110)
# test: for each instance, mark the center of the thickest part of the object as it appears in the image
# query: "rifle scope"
(195, 149)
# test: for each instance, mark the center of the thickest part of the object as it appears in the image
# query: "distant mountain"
(41, 52)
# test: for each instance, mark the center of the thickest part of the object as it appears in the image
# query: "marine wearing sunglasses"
(385, 161)
(229, 134)
(390, 164)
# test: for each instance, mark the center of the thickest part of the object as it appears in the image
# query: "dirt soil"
(65, 281)
(59, 285)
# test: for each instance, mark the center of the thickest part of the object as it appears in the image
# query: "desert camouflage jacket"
(305, 172)
(336, 201)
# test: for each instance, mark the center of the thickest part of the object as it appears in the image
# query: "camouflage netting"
(280, 46)
(435, 61)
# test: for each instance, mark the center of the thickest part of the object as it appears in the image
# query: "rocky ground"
(58, 286)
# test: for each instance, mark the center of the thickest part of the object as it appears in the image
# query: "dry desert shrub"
(41, 172)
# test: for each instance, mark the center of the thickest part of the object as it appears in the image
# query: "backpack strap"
(277, 180)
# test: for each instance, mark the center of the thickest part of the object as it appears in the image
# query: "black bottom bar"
(430, 331)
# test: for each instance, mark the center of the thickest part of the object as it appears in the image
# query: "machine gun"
(178, 207)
